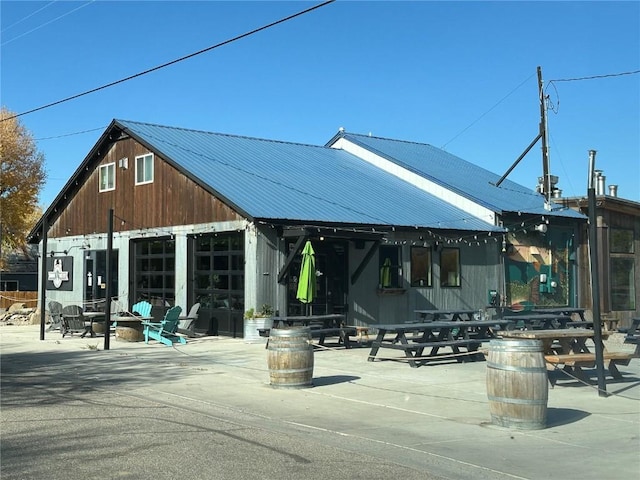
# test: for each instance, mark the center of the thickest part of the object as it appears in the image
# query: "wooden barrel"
(290, 357)
(517, 385)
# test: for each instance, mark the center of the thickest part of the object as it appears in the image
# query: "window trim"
(107, 166)
(143, 157)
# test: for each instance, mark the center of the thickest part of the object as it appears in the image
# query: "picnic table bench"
(568, 347)
(434, 336)
(322, 326)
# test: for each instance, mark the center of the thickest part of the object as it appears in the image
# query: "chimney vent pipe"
(600, 184)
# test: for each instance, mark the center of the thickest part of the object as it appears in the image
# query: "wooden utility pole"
(546, 186)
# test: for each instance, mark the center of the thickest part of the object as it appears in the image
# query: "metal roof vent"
(613, 190)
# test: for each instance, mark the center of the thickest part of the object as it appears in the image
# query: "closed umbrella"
(307, 279)
(385, 273)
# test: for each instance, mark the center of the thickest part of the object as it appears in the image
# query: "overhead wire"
(70, 134)
(47, 23)
(487, 112)
(27, 17)
(555, 107)
(593, 77)
(172, 62)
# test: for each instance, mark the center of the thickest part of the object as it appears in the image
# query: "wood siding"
(30, 299)
(172, 199)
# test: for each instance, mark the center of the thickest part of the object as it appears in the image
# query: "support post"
(43, 275)
(595, 277)
(108, 293)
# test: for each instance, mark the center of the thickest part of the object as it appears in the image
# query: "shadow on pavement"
(57, 377)
(333, 379)
(564, 416)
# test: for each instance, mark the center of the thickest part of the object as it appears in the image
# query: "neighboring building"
(19, 279)
(221, 219)
(21, 272)
(618, 247)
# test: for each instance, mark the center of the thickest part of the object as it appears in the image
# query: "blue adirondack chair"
(143, 308)
(165, 331)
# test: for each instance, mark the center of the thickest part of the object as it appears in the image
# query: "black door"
(331, 273)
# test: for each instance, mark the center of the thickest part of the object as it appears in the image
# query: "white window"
(107, 177)
(144, 169)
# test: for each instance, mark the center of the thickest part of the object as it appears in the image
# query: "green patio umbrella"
(307, 279)
(385, 273)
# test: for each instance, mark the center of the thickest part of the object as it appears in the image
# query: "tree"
(22, 176)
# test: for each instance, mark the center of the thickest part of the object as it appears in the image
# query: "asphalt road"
(87, 415)
(205, 410)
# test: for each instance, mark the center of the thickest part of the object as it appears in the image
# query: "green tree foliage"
(22, 176)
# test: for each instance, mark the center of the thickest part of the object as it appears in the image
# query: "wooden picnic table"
(443, 314)
(540, 321)
(568, 311)
(322, 326)
(568, 347)
(434, 336)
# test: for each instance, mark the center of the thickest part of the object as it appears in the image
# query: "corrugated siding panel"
(278, 180)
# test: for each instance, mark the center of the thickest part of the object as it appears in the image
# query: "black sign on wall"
(60, 273)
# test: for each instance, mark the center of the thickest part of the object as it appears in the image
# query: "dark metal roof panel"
(460, 176)
(288, 181)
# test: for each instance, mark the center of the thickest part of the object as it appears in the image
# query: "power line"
(47, 23)
(70, 134)
(27, 17)
(485, 113)
(593, 77)
(199, 52)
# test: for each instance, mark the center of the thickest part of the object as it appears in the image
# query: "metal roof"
(467, 179)
(267, 179)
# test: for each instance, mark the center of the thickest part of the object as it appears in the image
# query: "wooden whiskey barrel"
(517, 385)
(290, 357)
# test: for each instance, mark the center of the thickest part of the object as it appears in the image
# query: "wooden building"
(618, 247)
(221, 219)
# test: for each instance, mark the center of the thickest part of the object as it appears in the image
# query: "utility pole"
(546, 187)
(546, 177)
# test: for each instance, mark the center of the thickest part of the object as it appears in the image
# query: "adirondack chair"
(73, 321)
(187, 324)
(143, 308)
(55, 312)
(165, 331)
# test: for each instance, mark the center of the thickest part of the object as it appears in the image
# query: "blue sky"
(457, 75)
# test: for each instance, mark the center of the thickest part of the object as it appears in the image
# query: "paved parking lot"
(206, 410)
